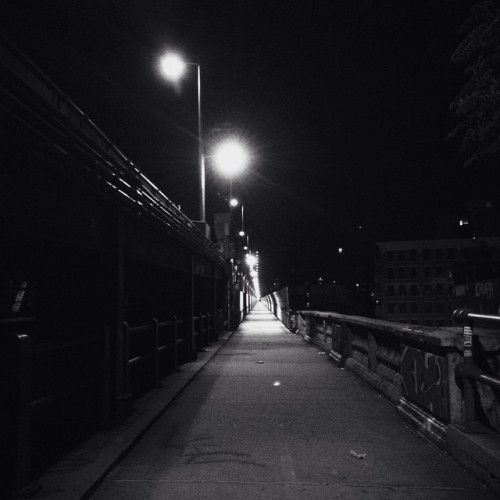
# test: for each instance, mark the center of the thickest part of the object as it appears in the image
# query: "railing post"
(175, 327)
(210, 326)
(23, 412)
(468, 364)
(310, 328)
(123, 373)
(372, 353)
(467, 368)
(156, 353)
(202, 331)
(106, 379)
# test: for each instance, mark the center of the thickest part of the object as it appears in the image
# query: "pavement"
(261, 414)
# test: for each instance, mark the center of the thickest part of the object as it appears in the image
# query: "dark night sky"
(344, 105)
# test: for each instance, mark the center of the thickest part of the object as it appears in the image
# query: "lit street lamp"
(172, 67)
(230, 158)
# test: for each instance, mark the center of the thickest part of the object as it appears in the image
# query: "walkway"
(271, 417)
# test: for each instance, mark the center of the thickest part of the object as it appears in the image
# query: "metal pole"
(200, 153)
(469, 397)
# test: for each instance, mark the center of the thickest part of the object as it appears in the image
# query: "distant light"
(341, 250)
(464, 222)
(242, 233)
(172, 66)
(250, 260)
(277, 383)
(231, 158)
(233, 202)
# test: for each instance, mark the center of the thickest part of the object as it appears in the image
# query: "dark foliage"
(478, 103)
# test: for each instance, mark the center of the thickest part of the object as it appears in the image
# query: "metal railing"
(468, 371)
(153, 350)
(48, 381)
(45, 379)
(29, 94)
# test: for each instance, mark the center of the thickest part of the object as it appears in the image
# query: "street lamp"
(173, 67)
(234, 202)
(230, 158)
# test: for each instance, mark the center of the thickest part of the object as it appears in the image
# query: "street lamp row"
(230, 157)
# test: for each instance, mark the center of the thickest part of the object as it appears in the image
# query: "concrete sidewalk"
(270, 417)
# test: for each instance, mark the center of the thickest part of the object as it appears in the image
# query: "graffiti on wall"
(425, 380)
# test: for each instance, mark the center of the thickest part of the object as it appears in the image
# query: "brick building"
(422, 282)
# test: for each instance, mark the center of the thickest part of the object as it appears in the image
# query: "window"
(440, 307)
(413, 272)
(414, 307)
(439, 254)
(427, 254)
(402, 307)
(390, 291)
(428, 307)
(439, 289)
(413, 255)
(390, 273)
(390, 255)
(427, 271)
(451, 253)
(439, 271)
(427, 289)
(413, 290)
(402, 290)
(401, 273)
(390, 307)
(402, 255)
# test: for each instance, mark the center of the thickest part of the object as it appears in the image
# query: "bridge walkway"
(269, 417)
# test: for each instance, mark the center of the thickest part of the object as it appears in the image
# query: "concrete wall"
(414, 367)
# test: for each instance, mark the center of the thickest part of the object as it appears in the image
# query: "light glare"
(250, 260)
(172, 66)
(231, 158)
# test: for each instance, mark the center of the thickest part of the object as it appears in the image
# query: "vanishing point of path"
(270, 417)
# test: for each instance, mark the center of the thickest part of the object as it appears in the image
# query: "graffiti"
(425, 380)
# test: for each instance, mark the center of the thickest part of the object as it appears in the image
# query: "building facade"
(422, 282)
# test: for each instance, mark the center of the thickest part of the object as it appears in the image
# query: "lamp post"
(230, 159)
(173, 68)
(233, 203)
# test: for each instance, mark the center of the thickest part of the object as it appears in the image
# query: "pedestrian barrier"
(57, 392)
(153, 350)
(443, 381)
(52, 392)
(468, 371)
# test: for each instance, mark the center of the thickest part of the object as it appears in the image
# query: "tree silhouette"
(478, 103)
